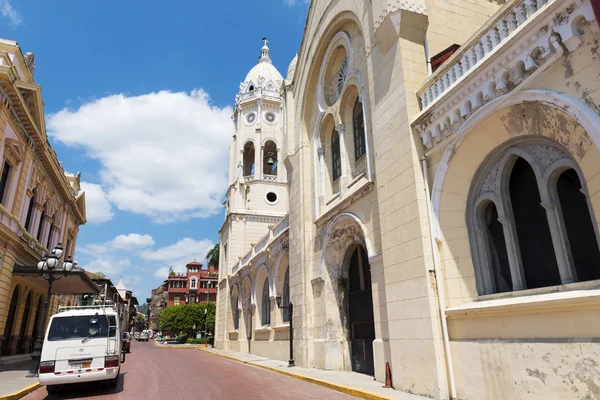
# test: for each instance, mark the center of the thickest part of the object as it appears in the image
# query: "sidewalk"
(352, 383)
(13, 383)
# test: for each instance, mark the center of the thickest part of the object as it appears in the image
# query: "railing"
(247, 257)
(259, 92)
(248, 178)
(281, 226)
(269, 178)
(489, 37)
(262, 243)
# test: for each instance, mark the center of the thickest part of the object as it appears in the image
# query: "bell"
(270, 161)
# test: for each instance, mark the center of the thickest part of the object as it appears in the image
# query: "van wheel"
(52, 389)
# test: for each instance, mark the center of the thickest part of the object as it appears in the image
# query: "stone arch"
(533, 116)
(262, 277)
(586, 117)
(235, 301)
(9, 327)
(342, 236)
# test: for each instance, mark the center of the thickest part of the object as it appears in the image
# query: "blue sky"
(138, 97)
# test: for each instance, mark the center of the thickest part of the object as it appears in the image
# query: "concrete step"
(8, 360)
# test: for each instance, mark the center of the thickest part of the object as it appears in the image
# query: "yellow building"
(436, 201)
(40, 206)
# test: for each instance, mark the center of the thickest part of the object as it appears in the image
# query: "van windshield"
(82, 327)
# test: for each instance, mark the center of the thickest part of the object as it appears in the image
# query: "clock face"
(250, 117)
(270, 117)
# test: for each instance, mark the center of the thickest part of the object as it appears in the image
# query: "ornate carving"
(545, 154)
(29, 59)
(489, 183)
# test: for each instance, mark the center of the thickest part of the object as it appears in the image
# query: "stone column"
(562, 251)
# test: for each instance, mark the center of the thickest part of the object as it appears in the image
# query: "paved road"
(174, 374)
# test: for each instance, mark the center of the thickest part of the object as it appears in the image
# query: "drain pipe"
(427, 57)
(439, 287)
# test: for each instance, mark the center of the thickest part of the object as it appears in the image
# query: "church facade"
(424, 187)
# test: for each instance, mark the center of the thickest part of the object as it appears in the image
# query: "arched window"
(530, 222)
(193, 283)
(249, 159)
(497, 249)
(579, 227)
(270, 158)
(336, 160)
(42, 218)
(266, 304)
(50, 233)
(28, 219)
(285, 298)
(358, 123)
(535, 240)
(236, 311)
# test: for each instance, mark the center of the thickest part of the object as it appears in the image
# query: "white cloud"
(7, 10)
(132, 241)
(293, 2)
(111, 267)
(178, 255)
(98, 209)
(164, 154)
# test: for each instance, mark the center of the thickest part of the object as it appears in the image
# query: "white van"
(82, 344)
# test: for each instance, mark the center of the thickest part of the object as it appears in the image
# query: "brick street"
(172, 374)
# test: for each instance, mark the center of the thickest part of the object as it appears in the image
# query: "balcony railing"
(466, 58)
(273, 234)
(524, 37)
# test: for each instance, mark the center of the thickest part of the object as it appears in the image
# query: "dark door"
(23, 331)
(360, 306)
(10, 321)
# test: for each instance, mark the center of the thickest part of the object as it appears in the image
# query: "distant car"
(126, 342)
(143, 337)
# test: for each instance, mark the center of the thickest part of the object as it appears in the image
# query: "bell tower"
(257, 197)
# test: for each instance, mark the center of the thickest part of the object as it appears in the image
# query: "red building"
(196, 286)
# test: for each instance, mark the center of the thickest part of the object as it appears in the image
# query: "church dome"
(292, 68)
(264, 70)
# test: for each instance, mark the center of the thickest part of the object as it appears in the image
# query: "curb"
(362, 394)
(20, 393)
(162, 346)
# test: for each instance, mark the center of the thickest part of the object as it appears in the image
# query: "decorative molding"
(488, 68)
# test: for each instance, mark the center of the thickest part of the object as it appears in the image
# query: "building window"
(4, 183)
(236, 312)
(192, 298)
(285, 298)
(193, 284)
(176, 300)
(41, 225)
(270, 158)
(50, 233)
(249, 159)
(531, 228)
(266, 304)
(336, 160)
(30, 208)
(358, 123)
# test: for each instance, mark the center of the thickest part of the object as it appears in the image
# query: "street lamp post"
(52, 269)
(290, 308)
(206, 316)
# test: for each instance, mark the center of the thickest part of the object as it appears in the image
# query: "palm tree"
(213, 255)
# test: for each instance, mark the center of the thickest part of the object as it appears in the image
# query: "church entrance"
(360, 309)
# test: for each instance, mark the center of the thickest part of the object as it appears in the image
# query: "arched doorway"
(24, 325)
(10, 321)
(36, 324)
(360, 312)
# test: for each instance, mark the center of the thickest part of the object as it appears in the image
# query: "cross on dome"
(264, 52)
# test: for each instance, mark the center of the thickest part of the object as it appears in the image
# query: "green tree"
(171, 272)
(183, 318)
(100, 274)
(213, 255)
